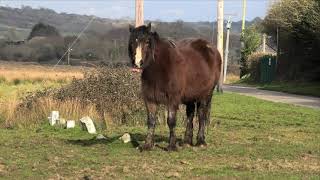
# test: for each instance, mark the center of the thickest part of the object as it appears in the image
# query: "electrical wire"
(73, 43)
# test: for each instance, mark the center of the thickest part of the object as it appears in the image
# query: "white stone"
(126, 138)
(100, 136)
(71, 124)
(88, 123)
(53, 118)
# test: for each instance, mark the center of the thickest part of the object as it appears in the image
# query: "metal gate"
(267, 69)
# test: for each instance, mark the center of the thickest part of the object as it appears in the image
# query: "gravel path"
(307, 101)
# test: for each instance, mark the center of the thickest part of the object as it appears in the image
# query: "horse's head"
(141, 46)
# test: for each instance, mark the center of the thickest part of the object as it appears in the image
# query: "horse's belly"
(198, 90)
(155, 95)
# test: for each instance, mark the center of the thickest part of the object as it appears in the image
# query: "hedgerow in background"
(251, 39)
(297, 23)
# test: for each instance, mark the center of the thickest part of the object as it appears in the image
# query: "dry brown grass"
(12, 74)
(10, 71)
(38, 113)
(231, 78)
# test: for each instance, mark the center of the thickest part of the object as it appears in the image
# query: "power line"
(73, 43)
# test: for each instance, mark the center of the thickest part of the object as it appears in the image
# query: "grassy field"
(248, 138)
(18, 78)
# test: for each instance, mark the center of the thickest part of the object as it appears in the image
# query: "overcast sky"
(165, 10)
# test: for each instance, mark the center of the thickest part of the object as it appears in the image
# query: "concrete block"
(88, 124)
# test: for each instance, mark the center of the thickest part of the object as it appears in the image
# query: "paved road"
(274, 96)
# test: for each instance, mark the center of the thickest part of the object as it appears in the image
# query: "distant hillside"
(105, 39)
(16, 23)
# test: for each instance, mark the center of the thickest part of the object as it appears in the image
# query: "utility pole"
(139, 13)
(227, 50)
(244, 10)
(220, 39)
(68, 55)
(264, 37)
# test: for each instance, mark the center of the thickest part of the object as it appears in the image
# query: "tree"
(45, 30)
(297, 22)
(252, 40)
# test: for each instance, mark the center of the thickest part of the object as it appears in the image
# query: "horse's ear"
(149, 27)
(156, 35)
(131, 28)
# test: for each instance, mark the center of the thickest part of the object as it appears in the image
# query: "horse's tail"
(219, 80)
(209, 105)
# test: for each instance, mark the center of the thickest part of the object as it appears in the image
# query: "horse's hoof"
(201, 144)
(145, 147)
(171, 148)
(186, 144)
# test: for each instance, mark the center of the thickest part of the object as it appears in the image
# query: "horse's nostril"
(141, 63)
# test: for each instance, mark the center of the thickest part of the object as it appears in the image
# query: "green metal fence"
(267, 69)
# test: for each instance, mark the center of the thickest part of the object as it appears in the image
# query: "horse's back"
(202, 63)
(199, 51)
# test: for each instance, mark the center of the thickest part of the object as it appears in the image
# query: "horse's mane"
(172, 43)
(156, 37)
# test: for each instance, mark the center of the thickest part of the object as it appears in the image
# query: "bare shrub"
(110, 95)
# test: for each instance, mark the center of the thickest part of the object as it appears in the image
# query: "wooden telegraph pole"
(220, 40)
(68, 54)
(139, 13)
(264, 39)
(244, 10)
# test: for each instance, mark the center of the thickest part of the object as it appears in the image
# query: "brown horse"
(185, 72)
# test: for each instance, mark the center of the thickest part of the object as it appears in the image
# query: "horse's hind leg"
(189, 129)
(151, 122)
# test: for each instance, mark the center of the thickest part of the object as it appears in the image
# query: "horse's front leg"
(151, 122)
(171, 121)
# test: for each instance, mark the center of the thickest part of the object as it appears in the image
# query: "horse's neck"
(163, 52)
(162, 61)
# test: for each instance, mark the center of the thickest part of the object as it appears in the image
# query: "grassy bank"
(301, 88)
(248, 138)
(311, 89)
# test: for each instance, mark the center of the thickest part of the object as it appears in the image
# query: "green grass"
(19, 88)
(312, 89)
(247, 138)
(301, 88)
